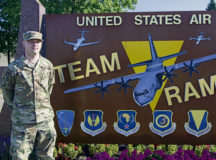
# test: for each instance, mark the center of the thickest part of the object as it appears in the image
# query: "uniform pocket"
(44, 81)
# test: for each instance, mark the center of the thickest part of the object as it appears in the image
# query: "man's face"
(32, 47)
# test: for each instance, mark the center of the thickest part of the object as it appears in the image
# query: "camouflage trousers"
(38, 139)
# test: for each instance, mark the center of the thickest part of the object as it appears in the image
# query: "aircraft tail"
(152, 48)
(154, 55)
(83, 32)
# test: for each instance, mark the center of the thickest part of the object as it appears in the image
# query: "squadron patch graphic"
(162, 124)
(65, 121)
(126, 123)
(93, 122)
(197, 124)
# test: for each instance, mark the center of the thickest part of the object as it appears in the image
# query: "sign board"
(134, 77)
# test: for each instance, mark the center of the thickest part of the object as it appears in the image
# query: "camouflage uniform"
(26, 90)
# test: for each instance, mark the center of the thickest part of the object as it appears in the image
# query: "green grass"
(0, 91)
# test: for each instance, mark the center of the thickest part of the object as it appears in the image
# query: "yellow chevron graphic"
(138, 51)
(198, 117)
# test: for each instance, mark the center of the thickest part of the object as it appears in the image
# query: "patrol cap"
(32, 35)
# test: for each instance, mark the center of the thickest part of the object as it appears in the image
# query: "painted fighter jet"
(79, 42)
(149, 81)
(199, 38)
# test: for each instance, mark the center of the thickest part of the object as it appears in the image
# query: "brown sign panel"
(134, 77)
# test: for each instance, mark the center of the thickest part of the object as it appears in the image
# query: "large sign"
(134, 77)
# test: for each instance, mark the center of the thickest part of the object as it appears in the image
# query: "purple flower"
(140, 156)
(180, 151)
(129, 158)
(123, 154)
(213, 155)
(134, 154)
(101, 156)
(160, 153)
(147, 153)
(206, 154)
(170, 157)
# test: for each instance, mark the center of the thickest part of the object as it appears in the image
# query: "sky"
(171, 5)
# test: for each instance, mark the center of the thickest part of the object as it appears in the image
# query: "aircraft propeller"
(102, 89)
(191, 68)
(124, 85)
(169, 74)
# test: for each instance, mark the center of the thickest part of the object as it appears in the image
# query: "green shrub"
(187, 147)
(198, 150)
(112, 149)
(68, 150)
(172, 149)
(151, 147)
(212, 148)
(161, 147)
(96, 148)
(140, 148)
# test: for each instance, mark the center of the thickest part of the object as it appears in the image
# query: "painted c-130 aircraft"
(149, 81)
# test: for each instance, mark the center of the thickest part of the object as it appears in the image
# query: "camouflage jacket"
(27, 89)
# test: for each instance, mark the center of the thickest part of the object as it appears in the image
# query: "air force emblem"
(93, 122)
(162, 124)
(126, 123)
(65, 121)
(197, 123)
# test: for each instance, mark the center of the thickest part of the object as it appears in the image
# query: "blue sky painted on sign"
(171, 5)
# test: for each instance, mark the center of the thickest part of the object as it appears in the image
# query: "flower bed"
(134, 152)
(123, 152)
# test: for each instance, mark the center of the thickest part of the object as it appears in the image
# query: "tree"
(10, 15)
(9, 25)
(87, 6)
(211, 6)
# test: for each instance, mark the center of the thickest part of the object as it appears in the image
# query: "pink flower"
(208, 146)
(64, 145)
(60, 144)
(75, 147)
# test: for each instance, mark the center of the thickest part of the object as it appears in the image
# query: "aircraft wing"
(205, 38)
(193, 38)
(195, 61)
(106, 83)
(69, 43)
(86, 44)
(173, 55)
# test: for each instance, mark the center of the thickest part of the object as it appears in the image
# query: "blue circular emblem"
(162, 121)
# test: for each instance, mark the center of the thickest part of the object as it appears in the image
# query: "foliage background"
(10, 11)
